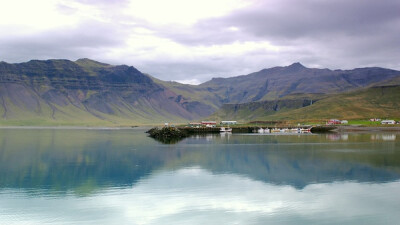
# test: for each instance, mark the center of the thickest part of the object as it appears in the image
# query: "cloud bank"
(194, 41)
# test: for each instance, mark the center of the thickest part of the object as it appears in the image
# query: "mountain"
(259, 110)
(277, 82)
(373, 102)
(86, 92)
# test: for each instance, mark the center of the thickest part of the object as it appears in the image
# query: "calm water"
(66, 176)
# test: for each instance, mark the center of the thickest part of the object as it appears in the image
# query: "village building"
(388, 122)
(334, 122)
(229, 122)
(194, 124)
(209, 123)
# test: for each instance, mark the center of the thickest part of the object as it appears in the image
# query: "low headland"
(174, 133)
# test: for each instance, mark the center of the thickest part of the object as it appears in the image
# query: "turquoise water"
(89, 176)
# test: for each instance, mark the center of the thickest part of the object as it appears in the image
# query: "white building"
(344, 122)
(228, 122)
(388, 122)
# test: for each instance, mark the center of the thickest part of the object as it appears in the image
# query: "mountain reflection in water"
(83, 161)
(86, 176)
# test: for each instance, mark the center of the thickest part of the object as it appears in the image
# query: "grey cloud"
(288, 20)
(205, 33)
(88, 39)
(337, 34)
(334, 34)
(204, 69)
(201, 71)
(296, 19)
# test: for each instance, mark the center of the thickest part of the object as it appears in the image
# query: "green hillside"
(90, 93)
(381, 102)
(278, 82)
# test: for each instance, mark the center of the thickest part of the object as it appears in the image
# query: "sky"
(191, 41)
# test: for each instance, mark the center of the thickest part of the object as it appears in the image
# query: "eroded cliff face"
(85, 89)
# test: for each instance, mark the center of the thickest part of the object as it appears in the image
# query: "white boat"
(223, 129)
(260, 130)
(275, 130)
(295, 130)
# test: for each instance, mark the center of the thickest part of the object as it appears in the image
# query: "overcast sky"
(192, 41)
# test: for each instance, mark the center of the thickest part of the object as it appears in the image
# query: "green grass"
(357, 107)
(73, 116)
(379, 102)
(364, 122)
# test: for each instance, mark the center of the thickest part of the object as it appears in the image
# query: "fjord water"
(111, 176)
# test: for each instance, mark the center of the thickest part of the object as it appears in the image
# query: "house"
(374, 119)
(209, 123)
(195, 125)
(229, 122)
(344, 122)
(334, 121)
(388, 122)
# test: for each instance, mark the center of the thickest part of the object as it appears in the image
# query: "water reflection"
(85, 160)
(103, 176)
(384, 137)
(196, 196)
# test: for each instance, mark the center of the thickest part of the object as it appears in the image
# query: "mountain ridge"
(60, 91)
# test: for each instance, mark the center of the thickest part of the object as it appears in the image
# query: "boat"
(305, 130)
(295, 130)
(224, 130)
(284, 130)
(260, 130)
(275, 130)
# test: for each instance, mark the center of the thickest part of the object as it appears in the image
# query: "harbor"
(249, 129)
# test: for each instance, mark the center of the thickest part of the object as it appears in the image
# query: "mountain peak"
(90, 62)
(296, 65)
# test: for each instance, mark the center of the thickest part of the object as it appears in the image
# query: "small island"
(167, 134)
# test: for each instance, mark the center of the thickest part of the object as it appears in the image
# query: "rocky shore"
(167, 135)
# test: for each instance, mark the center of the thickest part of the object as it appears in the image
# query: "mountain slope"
(244, 112)
(277, 82)
(379, 101)
(87, 92)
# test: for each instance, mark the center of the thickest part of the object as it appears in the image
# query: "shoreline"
(71, 127)
(338, 129)
(366, 129)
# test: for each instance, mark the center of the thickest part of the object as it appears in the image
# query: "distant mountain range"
(86, 92)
